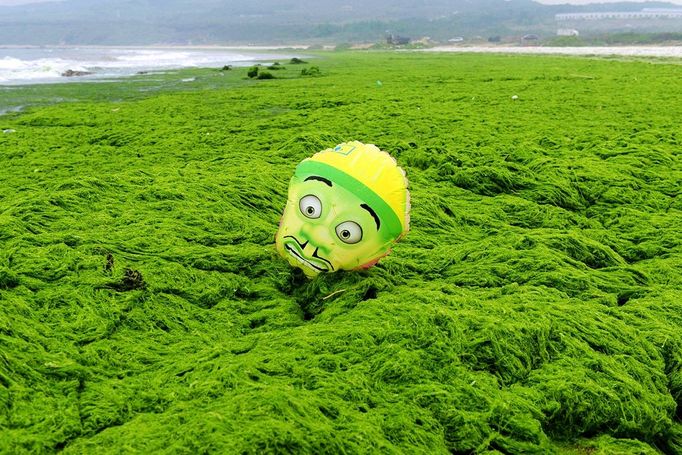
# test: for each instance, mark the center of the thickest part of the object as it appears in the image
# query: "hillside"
(128, 22)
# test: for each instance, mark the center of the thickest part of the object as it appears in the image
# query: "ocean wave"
(19, 66)
(45, 68)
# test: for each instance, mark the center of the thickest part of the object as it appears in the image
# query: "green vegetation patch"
(535, 306)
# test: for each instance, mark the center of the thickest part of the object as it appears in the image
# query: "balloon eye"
(310, 206)
(349, 232)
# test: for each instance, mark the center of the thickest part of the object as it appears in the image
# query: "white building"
(651, 20)
(646, 13)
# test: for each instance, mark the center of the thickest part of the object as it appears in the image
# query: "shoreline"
(38, 64)
(156, 46)
(625, 51)
(613, 50)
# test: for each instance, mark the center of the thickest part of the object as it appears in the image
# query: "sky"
(21, 2)
(546, 2)
(585, 2)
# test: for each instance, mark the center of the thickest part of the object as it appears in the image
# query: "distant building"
(425, 40)
(530, 39)
(567, 32)
(397, 40)
(646, 13)
(647, 20)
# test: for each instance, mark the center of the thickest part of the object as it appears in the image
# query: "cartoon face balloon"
(346, 207)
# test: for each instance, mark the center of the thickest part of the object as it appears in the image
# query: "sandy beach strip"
(632, 51)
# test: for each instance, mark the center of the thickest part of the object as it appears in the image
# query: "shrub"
(253, 72)
(265, 75)
(276, 66)
(312, 71)
(296, 61)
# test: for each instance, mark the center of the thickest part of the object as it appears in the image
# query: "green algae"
(535, 307)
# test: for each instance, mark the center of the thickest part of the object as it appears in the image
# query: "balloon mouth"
(295, 249)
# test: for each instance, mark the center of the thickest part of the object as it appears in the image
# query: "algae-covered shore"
(535, 306)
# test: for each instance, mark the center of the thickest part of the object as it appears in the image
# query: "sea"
(42, 65)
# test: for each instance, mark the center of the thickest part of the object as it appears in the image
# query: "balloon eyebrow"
(373, 213)
(321, 179)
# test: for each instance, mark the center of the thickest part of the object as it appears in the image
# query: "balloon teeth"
(296, 255)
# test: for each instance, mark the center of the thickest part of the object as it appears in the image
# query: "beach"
(20, 65)
(45, 65)
(534, 306)
(624, 51)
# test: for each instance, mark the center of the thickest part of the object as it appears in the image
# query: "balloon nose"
(318, 238)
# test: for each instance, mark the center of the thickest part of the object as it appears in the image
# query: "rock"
(72, 73)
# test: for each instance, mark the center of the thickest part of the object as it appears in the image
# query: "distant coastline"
(627, 51)
(29, 64)
(159, 46)
(20, 65)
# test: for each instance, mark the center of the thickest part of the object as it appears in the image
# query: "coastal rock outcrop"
(72, 73)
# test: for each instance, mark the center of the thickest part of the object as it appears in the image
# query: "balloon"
(346, 207)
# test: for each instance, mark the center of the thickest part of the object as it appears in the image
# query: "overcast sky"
(21, 2)
(546, 2)
(585, 2)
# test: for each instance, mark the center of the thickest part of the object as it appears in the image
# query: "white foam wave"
(48, 65)
(170, 59)
(15, 69)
